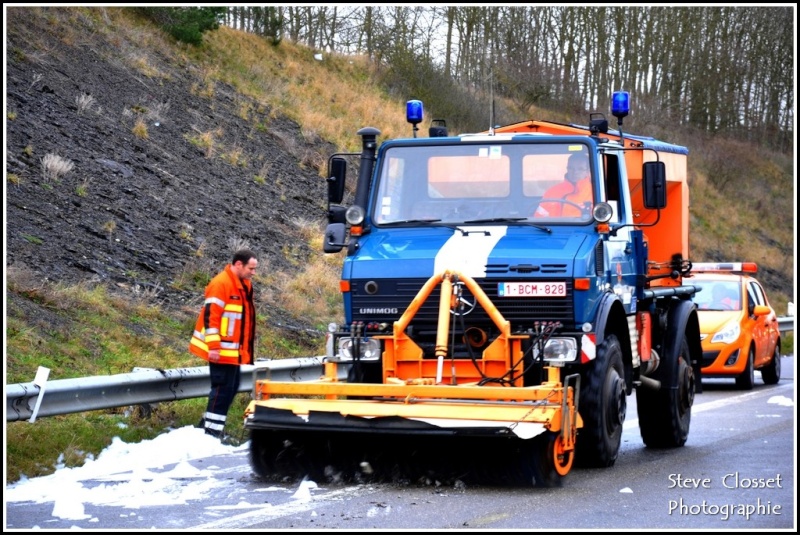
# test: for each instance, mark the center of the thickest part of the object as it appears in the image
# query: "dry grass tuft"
(54, 166)
(235, 243)
(205, 141)
(313, 294)
(82, 189)
(84, 102)
(140, 129)
(157, 111)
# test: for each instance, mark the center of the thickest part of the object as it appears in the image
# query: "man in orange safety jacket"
(576, 188)
(224, 335)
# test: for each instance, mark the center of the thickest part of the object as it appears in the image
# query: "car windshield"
(476, 182)
(717, 295)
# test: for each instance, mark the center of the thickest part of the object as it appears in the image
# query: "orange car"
(738, 328)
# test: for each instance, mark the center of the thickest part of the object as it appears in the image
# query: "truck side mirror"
(438, 128)
(336, 214)
(334, 238)
(338, 173)
(655, 184)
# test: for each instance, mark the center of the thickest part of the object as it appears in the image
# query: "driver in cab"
(576, 188)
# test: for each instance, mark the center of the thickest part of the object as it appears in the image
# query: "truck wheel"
(747, 379)
(602, 406)
(542, 462)
(771, 373)
(664, 414)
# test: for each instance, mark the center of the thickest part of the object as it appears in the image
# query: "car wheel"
(747, 378)
(771, 373)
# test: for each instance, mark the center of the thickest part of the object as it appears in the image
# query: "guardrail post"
(41, 381)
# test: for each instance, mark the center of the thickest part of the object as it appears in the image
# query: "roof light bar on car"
(725, 267)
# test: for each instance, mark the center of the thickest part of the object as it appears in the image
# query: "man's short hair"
(243, 256)
(578, 157)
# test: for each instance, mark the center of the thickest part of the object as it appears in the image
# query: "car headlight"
(369, 349)
(561, 350)
(728, 334)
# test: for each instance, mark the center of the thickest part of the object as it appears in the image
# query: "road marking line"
(271, 512)
(719, 403)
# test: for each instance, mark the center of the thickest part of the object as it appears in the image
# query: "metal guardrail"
(142, 386)
(786, 324)
(147, 385)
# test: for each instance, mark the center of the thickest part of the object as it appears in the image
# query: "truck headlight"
(369, 349)
(728, 334)
(561, 350)
(354, 215)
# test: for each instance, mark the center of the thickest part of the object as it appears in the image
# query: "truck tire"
(665, 414)
(548, 464)
(602, 406)
(747, 379)
(771, 373)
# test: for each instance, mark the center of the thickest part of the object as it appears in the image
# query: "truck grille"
(392, 298)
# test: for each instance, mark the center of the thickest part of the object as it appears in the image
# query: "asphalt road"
(736, 471)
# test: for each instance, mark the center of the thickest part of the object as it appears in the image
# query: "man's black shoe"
(215, 434)
(229, 440)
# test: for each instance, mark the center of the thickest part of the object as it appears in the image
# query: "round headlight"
(602, 212)
(354, 215)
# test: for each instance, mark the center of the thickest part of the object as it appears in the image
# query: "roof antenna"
(491, 100)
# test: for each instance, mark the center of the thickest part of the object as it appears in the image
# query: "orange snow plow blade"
(526, 412)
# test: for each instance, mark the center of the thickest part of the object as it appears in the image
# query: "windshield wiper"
(420, 222)
(409, 222)
(510, 220)
(540, 227)
(497, 220)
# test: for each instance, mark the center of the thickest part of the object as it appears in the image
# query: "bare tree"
(720, 69)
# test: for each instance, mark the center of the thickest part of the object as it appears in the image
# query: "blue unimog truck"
(477, 330)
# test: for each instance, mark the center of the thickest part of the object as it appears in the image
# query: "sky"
(135, 476)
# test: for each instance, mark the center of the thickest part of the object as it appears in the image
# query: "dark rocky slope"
(144, 213)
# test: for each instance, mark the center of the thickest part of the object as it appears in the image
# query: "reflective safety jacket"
(227, 320)
(578, 193)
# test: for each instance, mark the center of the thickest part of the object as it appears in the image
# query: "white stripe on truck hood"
(469, 253)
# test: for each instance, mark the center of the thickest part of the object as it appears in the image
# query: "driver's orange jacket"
(578, 193)
(226, 321)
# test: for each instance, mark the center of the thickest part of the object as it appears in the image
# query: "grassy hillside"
(742, 195)
(742, 209)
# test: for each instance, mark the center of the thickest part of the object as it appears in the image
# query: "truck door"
(620, 263)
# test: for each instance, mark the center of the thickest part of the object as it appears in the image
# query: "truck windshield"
(478, 182)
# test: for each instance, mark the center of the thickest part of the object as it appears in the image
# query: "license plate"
(532, 289)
